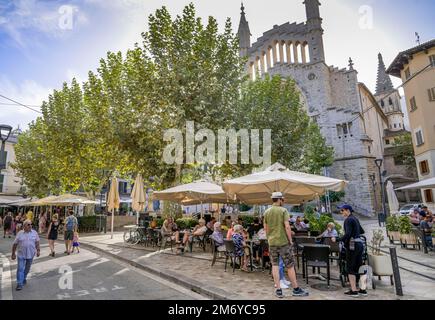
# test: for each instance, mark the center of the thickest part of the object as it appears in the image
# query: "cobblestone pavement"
(258, 285)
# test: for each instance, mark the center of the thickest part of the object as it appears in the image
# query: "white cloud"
(27, 92)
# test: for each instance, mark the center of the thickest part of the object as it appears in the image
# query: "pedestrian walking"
(7, 225)
(42, 224)
(27, 243)
(52, 234)
(18, 223)
(279, 237)
(70, 227)
(76, 243)
(354, 247)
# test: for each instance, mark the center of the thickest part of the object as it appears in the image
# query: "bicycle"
(133, 235)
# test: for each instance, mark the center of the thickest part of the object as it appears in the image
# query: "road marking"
(6, 279)
(149, 255)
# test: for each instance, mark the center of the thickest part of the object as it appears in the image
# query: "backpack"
(70, 223)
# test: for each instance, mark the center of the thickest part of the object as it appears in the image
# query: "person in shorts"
(354, 249)
(70, 227)
(279, 237)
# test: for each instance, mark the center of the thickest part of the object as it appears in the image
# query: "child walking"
(76, 243)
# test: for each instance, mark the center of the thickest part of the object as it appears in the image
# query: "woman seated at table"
(218, 237)
(330, 232)
(300, 225)
(239, 244)
(168, 228)
(231, 231)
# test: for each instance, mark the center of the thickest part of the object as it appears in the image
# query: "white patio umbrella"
(138, 196)
(393, 203)
(424, 184)
(297, 187)
(63, 200)
(197, 192)
(113, 200)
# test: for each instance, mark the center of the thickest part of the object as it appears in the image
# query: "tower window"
(382, 103)
(390, 101)
(387, 141)
(413, 104)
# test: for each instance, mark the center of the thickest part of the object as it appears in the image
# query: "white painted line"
(6, 282)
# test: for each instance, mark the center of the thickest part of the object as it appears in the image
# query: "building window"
(413, 104)
(407, 74)
(428, 195)
(387, 141)
(431, 94)
(432, 60)
(419, 137)
(390, 101)
(424, 167)
(370, 150)
(382, 103)
(339, 130)
(2, 179)
(395, 126)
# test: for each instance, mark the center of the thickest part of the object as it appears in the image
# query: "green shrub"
(392, 224)
(160, 222)
(247, 219)
(244, 207)
(405, 225)
(186, 223)
(87, 223)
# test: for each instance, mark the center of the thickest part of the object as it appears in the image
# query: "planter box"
(394, 235)
(381, 265)
(409, 239)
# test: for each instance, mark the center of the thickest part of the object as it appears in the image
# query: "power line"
(4, 104)
(20, 104)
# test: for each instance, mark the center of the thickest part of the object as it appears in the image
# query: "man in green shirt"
(279, 237)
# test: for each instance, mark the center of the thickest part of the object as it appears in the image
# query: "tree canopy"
(185, 70)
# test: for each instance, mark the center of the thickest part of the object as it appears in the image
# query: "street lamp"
(378, 163)
(5, 132)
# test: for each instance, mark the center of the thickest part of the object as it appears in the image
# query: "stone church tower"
(346, 111)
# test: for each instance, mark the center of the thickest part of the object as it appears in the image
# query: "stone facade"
(347, 113)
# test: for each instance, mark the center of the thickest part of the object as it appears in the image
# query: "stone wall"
(120, 222)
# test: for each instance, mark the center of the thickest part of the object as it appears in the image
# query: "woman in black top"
(354, 249)
(53, 233)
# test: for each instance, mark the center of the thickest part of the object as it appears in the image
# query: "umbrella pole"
(113, 218)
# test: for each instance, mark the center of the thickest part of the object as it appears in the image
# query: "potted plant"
(407, 237)
(393, 228)
(380, 263)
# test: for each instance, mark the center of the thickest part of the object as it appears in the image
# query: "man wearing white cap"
(279, 237)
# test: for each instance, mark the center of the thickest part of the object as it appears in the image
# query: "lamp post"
(5, 132)
(373, 179)
(378, 163)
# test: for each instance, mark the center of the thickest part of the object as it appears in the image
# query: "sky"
(44, 43)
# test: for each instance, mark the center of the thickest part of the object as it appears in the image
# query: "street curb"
(191, 284)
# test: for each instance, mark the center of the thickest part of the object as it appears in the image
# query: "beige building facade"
(416, 68)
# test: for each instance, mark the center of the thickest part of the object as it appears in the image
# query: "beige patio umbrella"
(197, 192)
(297, 187)
(393, 203)
(63, 200)
(113, 200)
(138, 196)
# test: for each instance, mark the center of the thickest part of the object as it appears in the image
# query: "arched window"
(390, 101)
(382, 103)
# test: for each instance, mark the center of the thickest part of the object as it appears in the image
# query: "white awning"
(424, 184)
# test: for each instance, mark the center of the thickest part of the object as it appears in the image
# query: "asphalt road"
(84, 276)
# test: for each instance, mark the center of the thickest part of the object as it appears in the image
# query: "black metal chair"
(335, 249)
(230, 252)
(298, 240)
(316, 256)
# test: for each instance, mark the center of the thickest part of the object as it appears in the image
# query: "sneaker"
(283, 285)
(299, 292)
(279, 294)
(363, 292)
(353, 294)
(19, 287)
